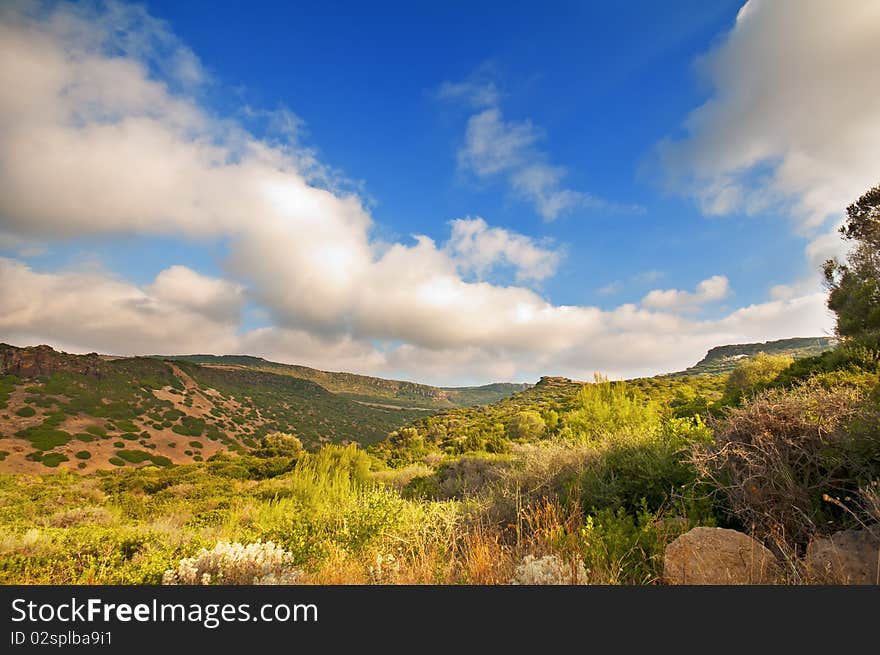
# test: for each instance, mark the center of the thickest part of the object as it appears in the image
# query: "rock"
(848, 557)
(35, 361)
(716, 556)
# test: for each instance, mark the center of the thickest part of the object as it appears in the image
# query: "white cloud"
(91, 311)
(493, 145)
(496, 146)
(467, 339)
(181, 286)
(477, 93)
(712, 289)
(793, 119)
(93, 142)
(610, 288)
(478, 248)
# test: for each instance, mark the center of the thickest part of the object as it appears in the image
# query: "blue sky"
(455, 193)
(603, 83)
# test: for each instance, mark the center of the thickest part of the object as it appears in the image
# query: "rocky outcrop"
(44, 360)
(717, 556)
(848, 557)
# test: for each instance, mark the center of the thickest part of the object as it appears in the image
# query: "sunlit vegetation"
(562, 483)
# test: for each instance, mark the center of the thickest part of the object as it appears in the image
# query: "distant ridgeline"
(90, 412)
(537, 410)
(365, 388)
(723, 359)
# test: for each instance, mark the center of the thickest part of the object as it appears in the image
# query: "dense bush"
(605, 409)
(775, 460)
(754, 374)
(279, 444)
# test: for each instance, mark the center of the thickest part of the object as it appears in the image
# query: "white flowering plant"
(260, 563)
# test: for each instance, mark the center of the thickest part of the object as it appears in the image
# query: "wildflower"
(549, 570)
(234, 563)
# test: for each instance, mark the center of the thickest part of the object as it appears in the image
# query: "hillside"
(723, 359)
(492, 426)
(89, 412)
(364, 388)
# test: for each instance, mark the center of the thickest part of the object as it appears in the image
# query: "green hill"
(493, 426)
(364, 388)
(723, 359)
(89, 412)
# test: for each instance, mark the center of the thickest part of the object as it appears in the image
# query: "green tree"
(854, 285)
(279, 444)
(526, 425)
(754, 374)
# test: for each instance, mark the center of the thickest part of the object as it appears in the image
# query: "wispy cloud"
(497, 146)
(610, 289)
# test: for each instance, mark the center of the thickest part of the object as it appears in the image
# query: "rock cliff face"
(724, 358)
(35, 361)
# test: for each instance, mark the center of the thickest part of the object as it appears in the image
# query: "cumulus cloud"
(712, 289)
(100, 138)
(94, 311)
(478, 248)
(793, 119)
(181, 286)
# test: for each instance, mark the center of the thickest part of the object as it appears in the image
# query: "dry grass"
(775, 457)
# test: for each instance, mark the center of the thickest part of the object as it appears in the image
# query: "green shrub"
(645, 471)
(605, 409)
(83, 454)
(44, 437)
(190, 426)
(133, 456)
(526, 426)
(139, 456)
(777, 459)
(278, 444)
(53, 459)
(116, 461)
(126, 425)
(754, 374)
(621, 548)
(26, 412)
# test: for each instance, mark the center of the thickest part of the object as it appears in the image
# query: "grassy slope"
(364, 388)
(475, 428)
(88, 413)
